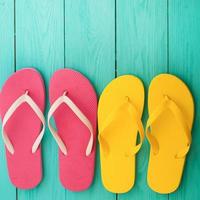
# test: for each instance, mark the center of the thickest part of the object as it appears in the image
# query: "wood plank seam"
(14, 10)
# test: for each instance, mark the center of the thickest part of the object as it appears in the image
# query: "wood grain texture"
(90, 49)
(151, 37)
(40, 43)
(7, 191)
(142, 51)
(184, 61)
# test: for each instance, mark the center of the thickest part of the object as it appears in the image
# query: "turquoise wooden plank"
(184, 61)
(90, 49)
(7, 191)
(40, 43)
(142, 51)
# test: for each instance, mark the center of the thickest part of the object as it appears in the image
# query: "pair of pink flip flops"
(73, 107)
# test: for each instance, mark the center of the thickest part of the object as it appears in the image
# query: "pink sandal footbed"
(22, 101)
(74, 109)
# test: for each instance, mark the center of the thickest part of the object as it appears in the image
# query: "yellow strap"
(113, 116)
(165, 104)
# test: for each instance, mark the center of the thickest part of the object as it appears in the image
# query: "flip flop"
(74, 108)
(22, 102)
(171, 113)
(119, 118)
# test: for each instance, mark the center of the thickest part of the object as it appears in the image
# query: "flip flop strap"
(25, 98)
(168, 104)
(66, 100)
(112, 117)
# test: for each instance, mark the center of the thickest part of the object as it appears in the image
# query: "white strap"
(65, 99)
(25, 98)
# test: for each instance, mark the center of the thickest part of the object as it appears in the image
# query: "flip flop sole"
(24, 167)
(164, 170)
(118, 168)
(76, 169)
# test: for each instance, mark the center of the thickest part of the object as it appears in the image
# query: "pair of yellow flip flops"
(168, 130)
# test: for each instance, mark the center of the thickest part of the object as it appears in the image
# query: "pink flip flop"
(22, 102)
(74, 108)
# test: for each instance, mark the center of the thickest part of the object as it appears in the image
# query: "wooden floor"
(103, 39)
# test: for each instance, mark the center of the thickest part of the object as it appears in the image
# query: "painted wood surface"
(40, 43)
(142, 51)
(102, 39)
(90, 49)
(7, 67)
(184, 61)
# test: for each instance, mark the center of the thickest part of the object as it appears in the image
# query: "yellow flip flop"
(171, 113)
(119, 118)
